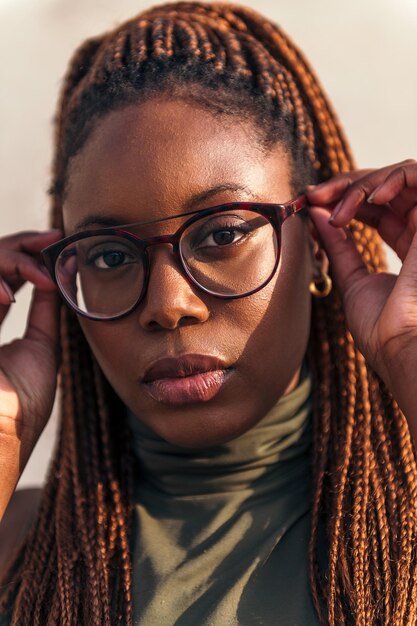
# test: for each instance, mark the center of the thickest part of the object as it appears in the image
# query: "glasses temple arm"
(290, 208)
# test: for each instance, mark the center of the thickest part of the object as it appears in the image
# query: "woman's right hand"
(29, 365)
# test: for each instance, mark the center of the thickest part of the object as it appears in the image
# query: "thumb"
(404, 292)
(43, 319)
(407, 276)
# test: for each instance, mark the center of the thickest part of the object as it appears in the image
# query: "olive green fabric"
(220, 534)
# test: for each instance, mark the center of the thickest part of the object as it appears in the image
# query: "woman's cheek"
(114, 350)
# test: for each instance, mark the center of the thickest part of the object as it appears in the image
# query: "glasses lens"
(230, 253)
(101, 275)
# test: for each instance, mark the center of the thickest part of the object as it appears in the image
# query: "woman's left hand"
(380, 308)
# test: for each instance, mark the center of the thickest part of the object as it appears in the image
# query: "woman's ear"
(320, 261)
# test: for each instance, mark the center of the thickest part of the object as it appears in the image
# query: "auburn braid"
(74, 565)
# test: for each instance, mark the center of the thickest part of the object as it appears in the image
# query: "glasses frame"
(275, 213)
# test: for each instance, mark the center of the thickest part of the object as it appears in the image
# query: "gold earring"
(320, 288)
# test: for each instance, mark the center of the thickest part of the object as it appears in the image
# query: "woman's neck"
(266, 456)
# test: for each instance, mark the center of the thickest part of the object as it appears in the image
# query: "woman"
(236, 443)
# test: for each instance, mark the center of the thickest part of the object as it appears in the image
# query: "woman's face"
(159, 159)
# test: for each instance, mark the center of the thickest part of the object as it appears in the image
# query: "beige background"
(364, 51)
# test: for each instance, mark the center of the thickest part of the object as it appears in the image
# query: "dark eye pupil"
(223, 237)
(113, 259)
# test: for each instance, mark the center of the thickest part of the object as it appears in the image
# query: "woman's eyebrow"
(212, 191)
(197, 198)
(93, 219)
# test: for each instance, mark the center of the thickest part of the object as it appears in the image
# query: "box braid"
(74, 565)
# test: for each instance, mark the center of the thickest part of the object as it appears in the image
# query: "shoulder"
(17, 519)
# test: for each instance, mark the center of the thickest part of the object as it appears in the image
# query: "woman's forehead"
(157, 156)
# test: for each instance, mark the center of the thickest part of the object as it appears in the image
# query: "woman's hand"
(28, 366)
(380, 308)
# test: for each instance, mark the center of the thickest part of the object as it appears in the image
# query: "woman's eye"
(110, 259)
(224, 237)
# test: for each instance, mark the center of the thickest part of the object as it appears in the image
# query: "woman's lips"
(186, 380)
(187, 389)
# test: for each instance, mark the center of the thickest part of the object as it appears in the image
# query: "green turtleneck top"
(220, 534)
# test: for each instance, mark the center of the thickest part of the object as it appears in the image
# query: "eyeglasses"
(229, 251)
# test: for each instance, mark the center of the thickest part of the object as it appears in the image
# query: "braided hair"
(74, 565)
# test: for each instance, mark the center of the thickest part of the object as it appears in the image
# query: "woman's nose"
(170, 301)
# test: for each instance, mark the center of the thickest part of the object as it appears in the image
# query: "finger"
(407, 279)
(6, 299)
(330, 191)
(348, 266)
(15, 270)
(390, 227)
(30, 241)
(6, 294)
(43, 319)
(403, 177)
(17, 267)
(359, 192)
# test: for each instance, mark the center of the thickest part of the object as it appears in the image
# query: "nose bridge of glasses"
(161, 239)
(154, 246)
(165, 267)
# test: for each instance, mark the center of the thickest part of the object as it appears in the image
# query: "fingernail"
(336, 210)
(371, 197)
(8, 291)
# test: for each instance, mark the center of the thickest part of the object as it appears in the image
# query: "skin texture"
(145, 162)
